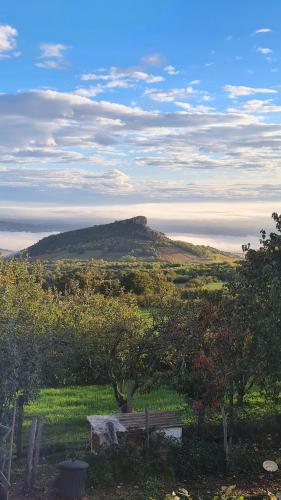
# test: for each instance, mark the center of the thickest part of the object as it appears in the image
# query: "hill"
(122, 240)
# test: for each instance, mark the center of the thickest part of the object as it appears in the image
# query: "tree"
(25, 318)
(114, 343)
(200, 349)
(257, 309)
(136, 281)
(124, 344)
(9, 366)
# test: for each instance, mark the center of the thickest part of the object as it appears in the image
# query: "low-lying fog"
(17, 240)
(225, 226)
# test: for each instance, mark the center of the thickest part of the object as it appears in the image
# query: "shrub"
(115, 465)
(198, 456)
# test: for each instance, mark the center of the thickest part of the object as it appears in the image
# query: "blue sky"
(171, 107)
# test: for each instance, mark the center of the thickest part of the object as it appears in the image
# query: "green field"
(65, 409)
(216, 285)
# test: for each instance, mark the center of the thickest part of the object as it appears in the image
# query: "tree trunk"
(240, 395)
(241, 389)
(20, 417)
(119, 398)
(226, 443)
(124, 403)
(231, 409)
(124, 406)
(130, 389)
(201, 413)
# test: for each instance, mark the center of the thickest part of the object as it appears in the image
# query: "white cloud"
(170, 95)
(116, 184)
(199, 108)
(264, 50)
(52, 50)
(263, 30)
(257, 106)
(52, 56)
(89, 91)
(125, 76)
(115, 78)
(8, 40)
(145, 77)
(152, 60)
(49, 127)
(207, 97)
(50, 64)
(110, 182)
(93, 76)
(171, 70)
(241, 90)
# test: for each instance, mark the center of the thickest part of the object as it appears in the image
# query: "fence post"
(37, 444)
(147, 436)
(11, 447)
(30, 453)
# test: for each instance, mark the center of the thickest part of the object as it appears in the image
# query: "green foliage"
(199, 456)
(257, 310)
(111, 464)
(26, 315)
(200, 350)
(167, 461)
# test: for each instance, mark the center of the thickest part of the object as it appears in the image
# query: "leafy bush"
(114, 465)
(167, 459)
(244, 459)
(198, 456)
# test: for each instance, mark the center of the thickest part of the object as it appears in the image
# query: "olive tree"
(25, 320)
(115, 342)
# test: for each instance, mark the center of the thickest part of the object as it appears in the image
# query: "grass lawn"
(216, 285)
(65, 409)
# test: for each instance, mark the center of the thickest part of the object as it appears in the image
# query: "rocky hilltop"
(120, 240)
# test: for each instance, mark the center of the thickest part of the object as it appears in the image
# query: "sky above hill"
(171, 107)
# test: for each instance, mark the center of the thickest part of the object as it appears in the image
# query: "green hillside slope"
(120, 240)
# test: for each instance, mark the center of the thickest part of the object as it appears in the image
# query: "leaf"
(184, 493)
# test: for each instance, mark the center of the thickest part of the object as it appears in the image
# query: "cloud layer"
(50, 127)
(54, 126)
